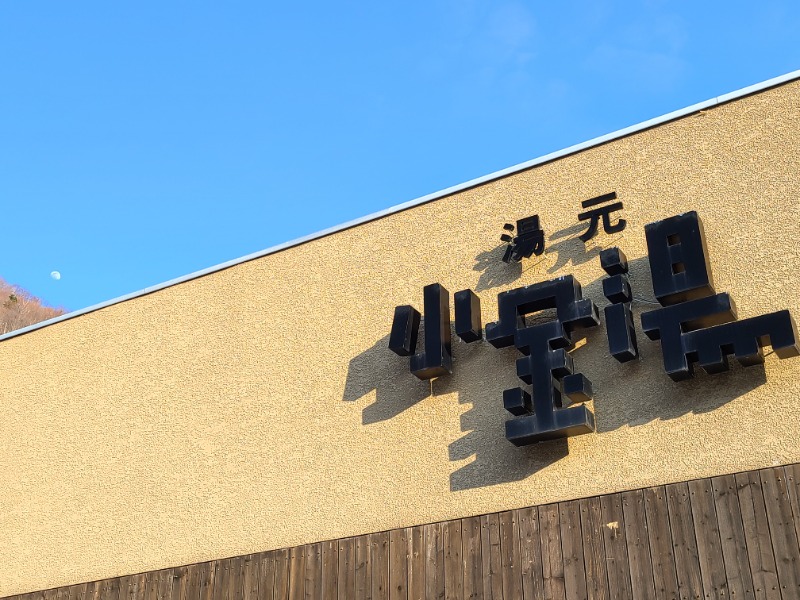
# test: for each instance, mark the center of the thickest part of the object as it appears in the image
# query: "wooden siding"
(727, 537)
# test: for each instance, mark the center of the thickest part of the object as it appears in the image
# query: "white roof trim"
(759, 87)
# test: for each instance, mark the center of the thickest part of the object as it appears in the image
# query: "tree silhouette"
(19, 308)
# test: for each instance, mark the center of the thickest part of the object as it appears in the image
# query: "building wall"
(732, 536)
(259, 407)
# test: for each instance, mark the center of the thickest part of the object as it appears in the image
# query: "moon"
(55, 275)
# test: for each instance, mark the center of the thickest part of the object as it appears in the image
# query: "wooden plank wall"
(729, 537)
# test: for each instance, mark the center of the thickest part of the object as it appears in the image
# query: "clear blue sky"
(141, 141)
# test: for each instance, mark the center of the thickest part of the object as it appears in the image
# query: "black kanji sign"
(696, 326)
(595, 214)
(529, 240)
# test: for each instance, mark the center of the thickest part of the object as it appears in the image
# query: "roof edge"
(615, 135)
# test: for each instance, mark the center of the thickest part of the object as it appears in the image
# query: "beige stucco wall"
(259, 407)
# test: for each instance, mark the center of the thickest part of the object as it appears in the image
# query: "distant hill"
(19, 308)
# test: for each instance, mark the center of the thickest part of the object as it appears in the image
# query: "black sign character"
(546, 365)
(695, 324)
(528, 241)
(437, 357)
(593, 216)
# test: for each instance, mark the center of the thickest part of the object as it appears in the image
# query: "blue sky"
(142, 141)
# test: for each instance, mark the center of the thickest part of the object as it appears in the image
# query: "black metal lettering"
(436, 358)
(546, 364)
(696, 325)
(564, 294)
(528, 241)
(594, 215)
(541, 415)
(619, 318)
(468, 316)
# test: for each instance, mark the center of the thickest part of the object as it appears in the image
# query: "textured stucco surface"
(258, 407)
